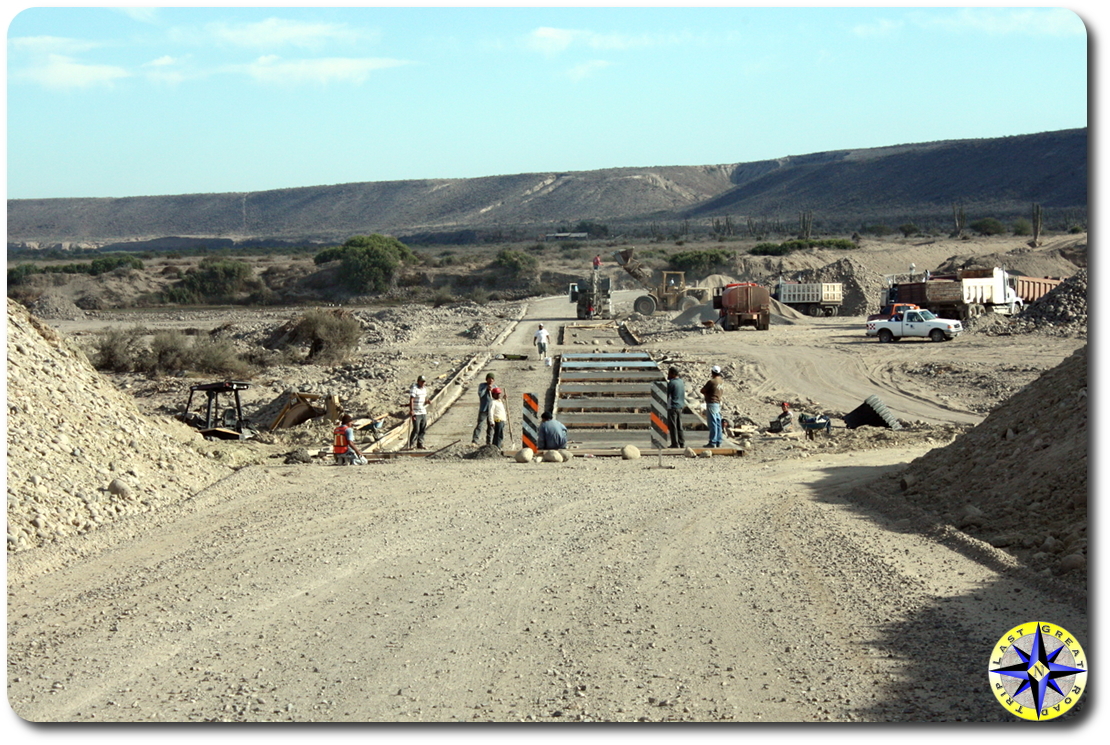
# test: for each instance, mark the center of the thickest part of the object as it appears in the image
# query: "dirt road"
(600, 589)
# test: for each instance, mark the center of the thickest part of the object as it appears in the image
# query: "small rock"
(567, 455)
(552, 456)
(524, 455)
(1071, 562)
(689, 452)
(630, 452)
(119, 488)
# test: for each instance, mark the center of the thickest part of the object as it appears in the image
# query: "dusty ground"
(796, 583)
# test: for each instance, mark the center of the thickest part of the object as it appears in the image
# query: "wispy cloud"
(50, 45)
(880, 28)
(552, 41)
(274, 33)
(999, 21)
(275, 70)
(60, 72)
(587, 69)
(143, 15)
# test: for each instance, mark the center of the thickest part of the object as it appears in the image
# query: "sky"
(117, 102)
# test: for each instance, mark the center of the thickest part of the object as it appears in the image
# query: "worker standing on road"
(418, 411)
(676, 402)
(552, 434)
(597, 262)
(712, 393)
(483, 411)
(345, 440)
(497, 416)
(540, 341)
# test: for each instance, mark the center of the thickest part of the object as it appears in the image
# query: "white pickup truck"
(913, 323)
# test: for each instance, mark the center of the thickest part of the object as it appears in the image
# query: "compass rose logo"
(1038, 671)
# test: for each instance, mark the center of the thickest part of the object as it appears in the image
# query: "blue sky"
(127, 102)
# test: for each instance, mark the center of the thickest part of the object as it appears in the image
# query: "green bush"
(212, 279)
(120, 350)
(878, 229)
(330, 336)
(170, 352)
(105, 264)
(516, 263)
(1022, 227)
(369, 262)
(16, 274)
(988, 226)
(701, 262)
(769, 249)
(218, 357)
(907, 229)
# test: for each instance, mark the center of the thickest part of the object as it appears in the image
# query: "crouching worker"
(552, 434)
(786, 418)
(344, 448)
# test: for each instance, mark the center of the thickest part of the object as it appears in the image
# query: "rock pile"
(1019, 479)
(80, 454)
(1064, 308)
(56, 307)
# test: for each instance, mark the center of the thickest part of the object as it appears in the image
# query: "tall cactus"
(959, 218)
(805, 221)
(1038, 223)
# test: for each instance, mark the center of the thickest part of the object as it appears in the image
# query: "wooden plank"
(605, 389)
(579, 376)
(609, 365)
(578, 356)
(595, 403)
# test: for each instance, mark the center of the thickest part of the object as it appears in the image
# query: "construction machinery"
(593, 296)
(216, 423)
(971, 292)
(815, 298)
(670, 293)
(743, 304)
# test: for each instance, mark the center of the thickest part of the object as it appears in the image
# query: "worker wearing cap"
(540, 340)
(676, 402)
(786, 418)
(497, 416)
(483, 411)
(418, 411)
(712, 393)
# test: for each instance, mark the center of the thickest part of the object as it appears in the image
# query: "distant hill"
(844, 189)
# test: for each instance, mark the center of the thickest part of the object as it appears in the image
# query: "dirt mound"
(1019, 479)
(717, 280)
(72, 472)
(1062, 312)
(55, 307)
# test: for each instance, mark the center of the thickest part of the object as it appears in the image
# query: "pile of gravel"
(1064, 308)
(1018, 480)
(56, 308)
(101, 459)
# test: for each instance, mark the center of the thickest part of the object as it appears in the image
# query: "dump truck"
(743, 304)
(814, 298)
(671, 293)
(592, 296)
(968, 294)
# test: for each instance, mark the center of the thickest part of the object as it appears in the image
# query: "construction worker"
(418, 411)
(597, 262)
(540, 340)
(497, 416)
(786, 418)
(712, 393)
(344, 442)
(552, 434)
(483, 411)
(676, 402)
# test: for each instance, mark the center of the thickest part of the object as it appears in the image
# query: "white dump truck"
(814, 298)
(915, 323)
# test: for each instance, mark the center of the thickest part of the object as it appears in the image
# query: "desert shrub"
(170, 352)
(908, 228)
(988, 226)
(701, 262)
(1075, 229)
(769, 249)
(212, 279)
(442, 297)
(16, 274)
(333, 253)
(536, 248)
(330, 336)
(878, 229)
(570, 245)
(120, 350)
(1022, 227)
(106, 264)
(516, 263)
(218, 357)
(479, 295)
